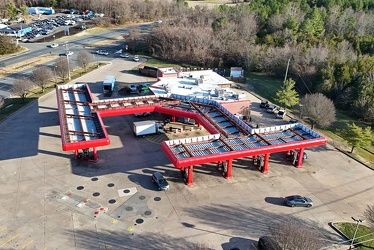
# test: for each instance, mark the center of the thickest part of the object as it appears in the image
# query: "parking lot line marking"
(6, 242)
(3, 229)
(26, 245)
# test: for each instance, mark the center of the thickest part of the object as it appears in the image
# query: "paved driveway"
(51, 201)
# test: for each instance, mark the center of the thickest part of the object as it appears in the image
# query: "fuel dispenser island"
(87, 155)
(296, 157)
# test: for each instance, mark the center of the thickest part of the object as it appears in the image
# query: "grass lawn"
(363, 234)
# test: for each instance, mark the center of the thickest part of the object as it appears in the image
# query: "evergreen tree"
(288, 96)
(358, 137)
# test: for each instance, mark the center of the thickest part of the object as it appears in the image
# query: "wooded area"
(329, 43)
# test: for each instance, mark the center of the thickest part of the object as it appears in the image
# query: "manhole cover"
(94, 179)
(142, 197)
(112, 201)
(129, 208)
(111, 185)
(139, 221)
(157, 199)
(147, 213)
(96, 194)
(126, 191)
(80, 188)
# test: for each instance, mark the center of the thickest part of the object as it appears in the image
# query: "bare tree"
(41, 76)
(319, 109)
(21, 87)
(295, 234)
(84, 59)
(62, 68)
(369, 215)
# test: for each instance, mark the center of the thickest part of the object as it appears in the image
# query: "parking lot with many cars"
(52, 201)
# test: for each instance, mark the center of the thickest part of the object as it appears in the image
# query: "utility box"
(143, 128)
(108, 85)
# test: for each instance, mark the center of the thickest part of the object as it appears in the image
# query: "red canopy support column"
(266, 164)
(95, 156)
(189, 176)
(229, 169)
(76, 154)
(299, 162)
(173, 119)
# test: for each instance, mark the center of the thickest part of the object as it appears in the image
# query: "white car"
(281, 114)
(124, 55)
(102, 52)
(136, 58)
(69, 53)
(54, 45)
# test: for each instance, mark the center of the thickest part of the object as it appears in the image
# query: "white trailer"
(147, 127)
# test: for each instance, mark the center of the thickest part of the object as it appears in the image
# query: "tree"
(11, 9)
(62, 68)
(7, 45)
(357, 136)
(319, 109)
(288, 95)
(369, 215)
(41, 76)
(84, 59)
(21, 87)
(295, 234)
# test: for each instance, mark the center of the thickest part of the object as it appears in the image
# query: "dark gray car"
(160, 181)
(298, 201)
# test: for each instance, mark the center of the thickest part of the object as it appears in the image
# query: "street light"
(67, 58)
(354, 235)
(54, 68)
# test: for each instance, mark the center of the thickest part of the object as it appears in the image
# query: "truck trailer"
(143, 128)
(108, 85)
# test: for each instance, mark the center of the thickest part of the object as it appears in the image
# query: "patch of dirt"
(14, 68)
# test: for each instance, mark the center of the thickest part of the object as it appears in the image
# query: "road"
(75, 44)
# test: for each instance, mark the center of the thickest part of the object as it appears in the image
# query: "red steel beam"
(180, 163)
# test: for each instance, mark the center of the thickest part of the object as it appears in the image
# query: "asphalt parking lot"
(51, 201)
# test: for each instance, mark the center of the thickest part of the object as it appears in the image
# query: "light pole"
(67, 58)
(354, 235)
(301, 110)
(54, 68)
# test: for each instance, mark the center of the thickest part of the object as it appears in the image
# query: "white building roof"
(201, 84)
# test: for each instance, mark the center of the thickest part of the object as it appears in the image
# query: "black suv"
(264, 104)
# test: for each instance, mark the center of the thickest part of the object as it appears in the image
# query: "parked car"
(54, 45)
(124, 55)
(271, 109)
(281, 114)
(268, 243)
(102, 52)
(160, 181)
(136, 58)
(133, 88)
(298, 201)
(293, 121)
(264, 104)
(142, 114)
(67, 53)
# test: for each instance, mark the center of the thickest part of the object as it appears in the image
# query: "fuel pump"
(222, 167)
(259, 162)
(184, 173)
(86, 155)
(293, 156)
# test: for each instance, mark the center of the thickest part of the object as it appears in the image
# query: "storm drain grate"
(157, 199)
(80, 187)
(112, 201)
(111, 185)
(96, 194)
(94, 179)
(126, 191)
